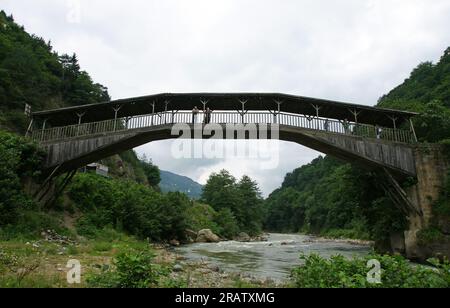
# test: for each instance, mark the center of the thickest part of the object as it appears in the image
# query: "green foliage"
(19, 159)
(396, 272)
(201, 216)
(430, 235)
(14, 269)
(125, 205)
(442, 205)
(239, 204)
(134, 269)
(151, 172)
(426, 91)
(227, 222)
(29, 223)
(326, 196)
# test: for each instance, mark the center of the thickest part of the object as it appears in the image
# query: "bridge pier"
(432, 166)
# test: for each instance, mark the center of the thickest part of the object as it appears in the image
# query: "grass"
(53, 257)
(346, 234)
(45, 264)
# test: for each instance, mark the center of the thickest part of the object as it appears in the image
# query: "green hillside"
(171, 182)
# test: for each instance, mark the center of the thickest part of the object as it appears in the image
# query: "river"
(272, 259)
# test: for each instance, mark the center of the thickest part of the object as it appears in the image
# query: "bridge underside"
(373, 154)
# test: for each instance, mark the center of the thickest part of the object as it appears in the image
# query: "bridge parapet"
(56, 134)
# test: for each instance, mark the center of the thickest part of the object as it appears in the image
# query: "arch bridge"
(378, 139)
(374, 137)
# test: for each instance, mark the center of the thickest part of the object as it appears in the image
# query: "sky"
(347, 50)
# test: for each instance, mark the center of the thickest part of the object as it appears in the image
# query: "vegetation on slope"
(174, 182)
(19, 159)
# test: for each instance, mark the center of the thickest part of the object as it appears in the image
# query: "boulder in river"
(175, 243)
(191, 235)
(207, 236)
(243, 237)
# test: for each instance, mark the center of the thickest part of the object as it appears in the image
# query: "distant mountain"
(174, 182)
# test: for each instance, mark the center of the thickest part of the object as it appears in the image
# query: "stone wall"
(432, 165)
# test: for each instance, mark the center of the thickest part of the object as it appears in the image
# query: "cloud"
(349, 50)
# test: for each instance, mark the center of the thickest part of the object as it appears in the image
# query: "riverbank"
(324, 239)
(42, 263)
(125, 262)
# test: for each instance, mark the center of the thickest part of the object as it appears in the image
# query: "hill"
(171, 182)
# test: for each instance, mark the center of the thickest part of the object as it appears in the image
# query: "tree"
(151, 171)
(250, 212)
(220, 192)
(228, 225)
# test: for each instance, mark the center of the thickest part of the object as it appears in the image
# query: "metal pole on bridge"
(394, 121)
(43, 129)
(243, 112)
(80, 117)
(166, 104)
(276, 113)
(153, 111)
(413, 130)
(116, 111)
(317, 108)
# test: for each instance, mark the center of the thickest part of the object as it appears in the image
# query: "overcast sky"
(348, 50)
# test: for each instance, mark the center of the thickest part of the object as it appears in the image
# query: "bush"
(29, 224)
(134, 270)
(201, 216)
(396, 272)
(228, 225)
(19, 158)
(127, 206)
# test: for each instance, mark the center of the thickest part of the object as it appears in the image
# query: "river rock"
(190, 233)
(177, 268)
(207, 236)
(174, 243)
(243, 237)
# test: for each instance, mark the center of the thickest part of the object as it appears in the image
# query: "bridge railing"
(172, 117)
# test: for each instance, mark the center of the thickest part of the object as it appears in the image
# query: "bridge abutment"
(432, 167)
